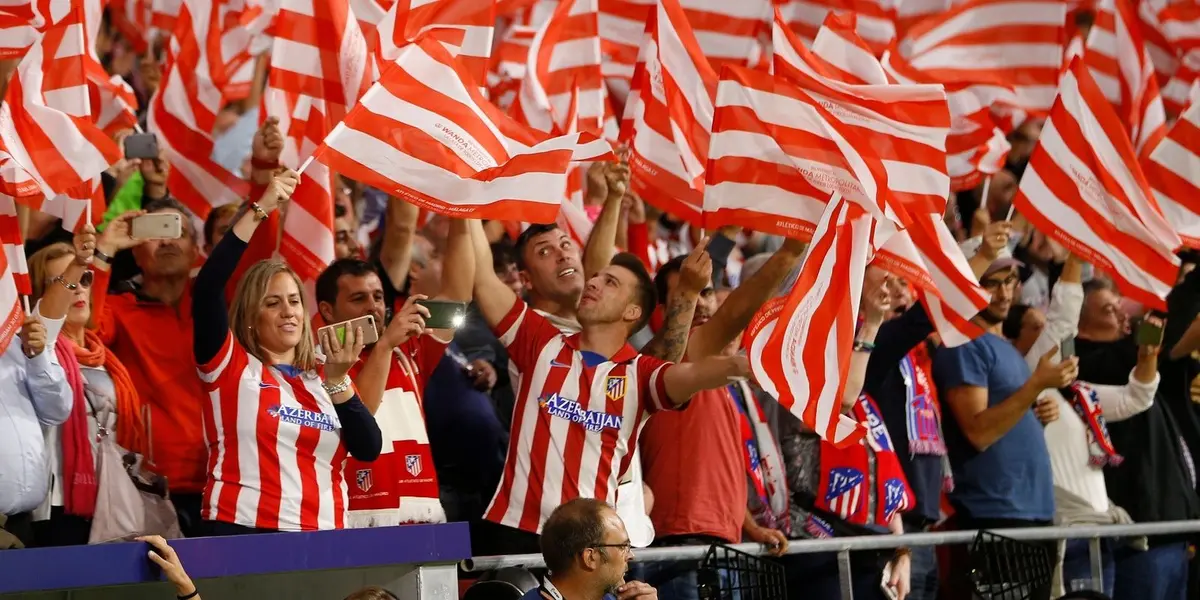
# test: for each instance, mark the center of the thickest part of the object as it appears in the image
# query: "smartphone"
(1067, 349)
(338, 330)
(444, 314)
(1149, 334)
(157, 226)
(141, 145)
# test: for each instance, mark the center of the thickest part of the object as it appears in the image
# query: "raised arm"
(994, 240)
(670, 342)
(492, 296)
(210, 320)
(683, 380)
(607, 182)
(983, 425)
(735, 314)
(395, 254)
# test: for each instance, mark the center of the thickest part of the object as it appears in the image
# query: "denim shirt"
(33, 394)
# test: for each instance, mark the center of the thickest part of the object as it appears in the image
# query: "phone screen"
(1149, 334)
(1067, 350)
(444, 314)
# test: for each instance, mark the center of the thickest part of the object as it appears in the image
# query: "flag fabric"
(132, 19)
(1084, 189)
(464, 26)
(46, 123)
(320, 68)
(1116, 55)
(806, 357)
(776, 156)
(370, 14)
(425, 134)
(19, 28)
(1016, 44)
(563, 67)
(872, 20)
(668, 116)
(184, 109)
(729, 33)
(508, 64)
(14, 274)
(910, 139)
(114, 104)
(1173, 172)
(1180, 27)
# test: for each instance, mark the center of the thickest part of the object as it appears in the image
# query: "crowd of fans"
(610, 369)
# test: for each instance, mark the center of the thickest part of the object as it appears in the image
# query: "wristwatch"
(102, 257)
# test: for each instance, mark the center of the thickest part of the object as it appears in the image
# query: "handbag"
(130, 501)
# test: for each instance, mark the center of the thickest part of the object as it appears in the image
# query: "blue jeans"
(1077, 566)
(924, 574)
(1159, 573)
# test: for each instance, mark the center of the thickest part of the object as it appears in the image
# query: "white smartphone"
(888, 590)
(367, 323)
(157, 226)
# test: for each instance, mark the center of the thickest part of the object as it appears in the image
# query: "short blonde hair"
(248, 302)
(39, 274)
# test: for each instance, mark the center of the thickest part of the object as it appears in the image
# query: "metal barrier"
(844, 546)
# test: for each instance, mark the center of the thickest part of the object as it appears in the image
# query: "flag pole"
(987, 186)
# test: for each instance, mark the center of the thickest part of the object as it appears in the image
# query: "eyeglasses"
(625, 547)
(85, 281)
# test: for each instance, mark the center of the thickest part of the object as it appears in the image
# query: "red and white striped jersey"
(275, 453)
(575, 427)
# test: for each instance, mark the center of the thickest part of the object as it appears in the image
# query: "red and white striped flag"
(806, 357)
(508, 64)
(370, 14)
(729, 33)
(20, 23)
(1084, 189)
(185, 108)
(47, 123)
(464, 26)
(1180, 27)
(1120, 65)
(776, 156)
(564, 68)
(14, 274)
(319, 71)
(114, 104)
(873, 20)
(622, 26)
(1015, 44)
(667, 123)
(423, 133)
(132, 19)
(1171, 169)
(910, 140)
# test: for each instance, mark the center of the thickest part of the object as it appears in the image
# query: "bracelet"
(259, 213)
(336, 388)
(263, 164)
(102, 257)
(860, 346)
(195, 592)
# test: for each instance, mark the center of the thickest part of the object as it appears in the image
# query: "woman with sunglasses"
(104, 396)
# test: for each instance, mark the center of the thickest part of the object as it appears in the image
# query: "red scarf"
(846, 484)
(79, 481)
(764, 466)
(1101, 452)
(400, 486)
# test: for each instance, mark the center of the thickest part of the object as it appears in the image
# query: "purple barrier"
(119, 564)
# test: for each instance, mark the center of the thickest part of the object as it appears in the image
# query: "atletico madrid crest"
(616, 387)
(412, 462)
(363, 478)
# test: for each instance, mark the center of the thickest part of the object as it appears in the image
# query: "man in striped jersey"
(582, 398)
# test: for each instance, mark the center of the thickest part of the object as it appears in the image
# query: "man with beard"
(587, 552)
(1156, 481)
(997, 451)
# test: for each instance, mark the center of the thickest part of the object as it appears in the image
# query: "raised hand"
(695, 274)
(407, 323)
(268, 142)
(117, 236)
(85, 245)
(33, 336)
(995, 239)
(279, 190)
(1054, 374)
(340, 356)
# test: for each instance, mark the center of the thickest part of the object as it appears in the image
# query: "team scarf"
(1086, 403)
(922, 411)
(846, 482)
(764, 465)
(400, 486)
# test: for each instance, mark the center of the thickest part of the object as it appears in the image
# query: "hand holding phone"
(141, 145)
(157, 226)
(444, 314)
(1150, 331)
(338, 330)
